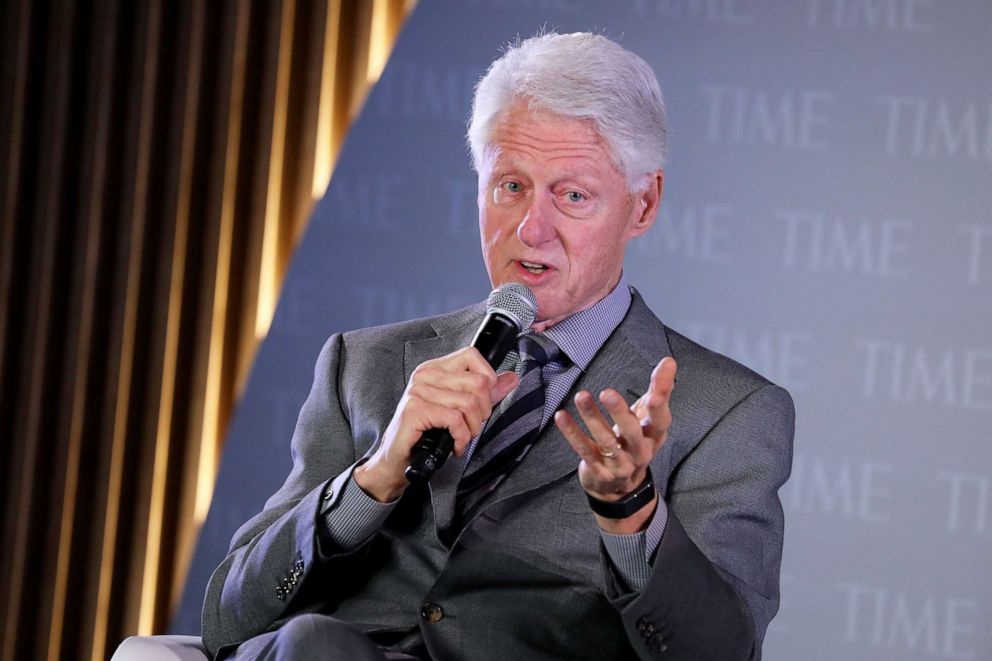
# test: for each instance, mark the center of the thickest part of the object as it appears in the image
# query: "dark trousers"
(315, 637)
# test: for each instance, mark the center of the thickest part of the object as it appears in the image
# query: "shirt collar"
(581, 335)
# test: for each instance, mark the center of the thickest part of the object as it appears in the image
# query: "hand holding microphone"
(448, 399)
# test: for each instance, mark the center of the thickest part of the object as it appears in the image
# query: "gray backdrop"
(826, 221)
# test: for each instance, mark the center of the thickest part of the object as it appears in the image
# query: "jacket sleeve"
(274, 553)
(714, 583)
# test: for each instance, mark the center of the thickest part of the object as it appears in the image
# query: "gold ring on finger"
(612, 454)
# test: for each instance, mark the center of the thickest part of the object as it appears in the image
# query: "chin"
(544, 317)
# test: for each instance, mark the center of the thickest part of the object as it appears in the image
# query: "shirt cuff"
(350, 516)
(632, 554)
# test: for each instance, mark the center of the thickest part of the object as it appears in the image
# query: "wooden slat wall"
(158, 161)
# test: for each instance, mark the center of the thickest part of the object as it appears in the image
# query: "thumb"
(505, 383)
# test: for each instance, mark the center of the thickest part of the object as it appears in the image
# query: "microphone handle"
(429, 454)
(496, 336)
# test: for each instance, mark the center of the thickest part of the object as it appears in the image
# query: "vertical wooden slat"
(359, 15)
(96, 128)
(32, 430)
(261, 129)
(102, 479)
(149, 473)
(327, 139)
(100, 213)
(387, 16)
(209, 187)
(143, 91)
(292, 100)
(268, 272)
(301, 148)
(16, 35)
(159, 559)
(209, 443)
(184, 536)
(217, 66)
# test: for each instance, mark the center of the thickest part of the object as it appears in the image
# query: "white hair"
(580, 76)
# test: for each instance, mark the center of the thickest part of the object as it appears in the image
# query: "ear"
(646, 204)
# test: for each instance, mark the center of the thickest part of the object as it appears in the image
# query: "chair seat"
(161, 648)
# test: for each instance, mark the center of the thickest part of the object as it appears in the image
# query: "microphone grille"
(515, 301)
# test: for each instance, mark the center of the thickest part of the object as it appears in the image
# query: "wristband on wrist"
(629, 504)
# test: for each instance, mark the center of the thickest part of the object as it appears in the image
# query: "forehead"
(522, 133)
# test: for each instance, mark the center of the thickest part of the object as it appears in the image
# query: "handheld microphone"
(510, 309)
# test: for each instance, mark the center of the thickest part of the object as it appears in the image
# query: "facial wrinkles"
(535, 150)
(545, 165)
(575, 249)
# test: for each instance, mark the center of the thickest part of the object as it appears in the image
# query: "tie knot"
(537, 350)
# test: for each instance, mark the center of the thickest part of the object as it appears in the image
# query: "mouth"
(534, 267)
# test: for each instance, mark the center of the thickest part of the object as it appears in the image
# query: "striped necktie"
(512, 429)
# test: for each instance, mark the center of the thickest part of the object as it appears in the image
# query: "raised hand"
(615, 456)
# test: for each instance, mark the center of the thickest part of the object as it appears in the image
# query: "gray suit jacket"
(528, 577)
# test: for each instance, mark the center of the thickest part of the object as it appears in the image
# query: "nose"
(537, 225)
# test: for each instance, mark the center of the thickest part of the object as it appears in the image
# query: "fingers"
(460, 382)
(505, 383)
(607, 458)
(628, 427)
(662, 380)
(456, 392)
(597, 474)
(581, 443)
(656, 414)
(455, 374)
(467, 371)
(601, 431)
(466, 359)
(639, 430)
(473, 406)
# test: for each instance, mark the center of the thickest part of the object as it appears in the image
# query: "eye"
(575, 196)
(511, 186)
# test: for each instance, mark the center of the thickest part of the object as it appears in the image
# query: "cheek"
(495, 227)
(595, 251)
(592, 267)
(493, 238)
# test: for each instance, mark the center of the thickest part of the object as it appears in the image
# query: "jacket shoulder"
(713, 365)
(414, 329)
(697, 364)
(710, 384)
(378, 351)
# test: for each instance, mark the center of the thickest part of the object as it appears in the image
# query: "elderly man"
(649, 529)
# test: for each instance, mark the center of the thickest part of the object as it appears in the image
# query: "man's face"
(555, 213)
